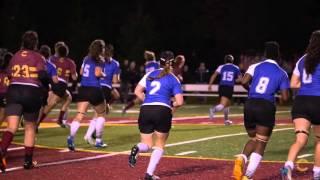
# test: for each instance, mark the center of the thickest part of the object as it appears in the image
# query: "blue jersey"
(267, 78)
(88, 77)
(160, 91)
(51, 69)
(110, 69)
(310, 84)
(151, 66)
(228, 74)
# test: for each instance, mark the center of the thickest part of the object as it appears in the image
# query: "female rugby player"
(155, 89)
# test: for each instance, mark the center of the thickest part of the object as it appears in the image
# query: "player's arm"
(284, 94)
(212, 78)
(139, 92)
(295, 82)
(116, 78)
(55, 79)
(178, 100)
(98, 72)
(246, 80)
(74, 74)
(239, 78)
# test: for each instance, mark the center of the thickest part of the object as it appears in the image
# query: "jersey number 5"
(227, 76)
(86, 70)
(262, 85)
(155, 87)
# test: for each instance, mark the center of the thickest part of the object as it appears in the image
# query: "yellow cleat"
(238, 168)
(245, 178)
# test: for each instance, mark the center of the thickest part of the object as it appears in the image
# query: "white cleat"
(211, 113)
(228, 122)
(89, 140)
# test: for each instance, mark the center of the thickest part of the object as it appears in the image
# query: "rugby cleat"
(100, 145)
(211, 113)
(29, 164)
(238, 168)
(3, 162)
(151, 177)
(133, 156)
(70, 144)
(89, 140)
(286, 173)
(228, 122)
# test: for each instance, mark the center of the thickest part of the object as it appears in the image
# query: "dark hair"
(63, 51)
(5, 60)
(96, 48)
(45, 51)
(110, 48)
(228, 58)
(313, 52)
(29, 40)
(166, 61)
(149, 55)
(271, 50)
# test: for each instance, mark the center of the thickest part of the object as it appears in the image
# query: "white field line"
(15, 148)
(125, 152)
(218, 137)
(304, 155)
(185, 153)
(70, 161)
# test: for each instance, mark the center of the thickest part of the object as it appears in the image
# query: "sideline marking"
(15, 148)
(304, 155)
(126, 152)
(218, 137)
(185, 153)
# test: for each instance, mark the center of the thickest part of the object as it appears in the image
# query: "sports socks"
(61, 116)
(143, 147)
(154, 160)
(316, 172)
(226, 113)
(254, 161)
(218, 107)
(7, 138)
(74, 128)
(289, 164)
(28, 153)
(99, 126)
(91, 128)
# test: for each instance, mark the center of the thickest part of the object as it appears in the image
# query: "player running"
(265, 79)
(150, 65)
(229, 75)
(90, 92)
(111, 70)
(4, 83)
(305, 110)
(27, 69)
(155, 89)
(66, 69)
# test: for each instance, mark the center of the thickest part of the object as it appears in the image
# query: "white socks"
(91, 128)
(254, 161)
(99, 127)
(74, 128)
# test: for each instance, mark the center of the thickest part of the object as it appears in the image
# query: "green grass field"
(122, 137)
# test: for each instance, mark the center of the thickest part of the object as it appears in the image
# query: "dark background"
(203, 30)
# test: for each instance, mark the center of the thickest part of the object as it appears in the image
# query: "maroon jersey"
(24, 68)
(65, 68)
(4, 82)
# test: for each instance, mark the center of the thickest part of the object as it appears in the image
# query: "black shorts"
(45, 95)
(23, 100)
(2, 100)
(226, 91)
(307, 107)
(93, 95)
(259, 112)
(59, 89)
(154, 118)
(107, 93)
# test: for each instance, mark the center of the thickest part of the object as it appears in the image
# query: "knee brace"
(302, 131)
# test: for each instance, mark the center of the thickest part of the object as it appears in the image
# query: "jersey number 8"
(262, 85)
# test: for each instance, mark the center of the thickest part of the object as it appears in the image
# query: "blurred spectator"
(202, 74)
(141, 71)
(188, 78)
(133, 76)
(124, 81)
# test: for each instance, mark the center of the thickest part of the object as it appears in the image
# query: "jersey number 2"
(155, 87)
